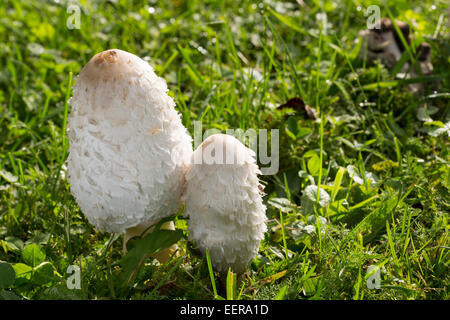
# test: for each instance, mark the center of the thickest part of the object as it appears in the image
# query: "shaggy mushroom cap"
(128, 148)
(224, 202)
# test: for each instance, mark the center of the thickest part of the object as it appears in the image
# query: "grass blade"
(337, 182)
(211, 273)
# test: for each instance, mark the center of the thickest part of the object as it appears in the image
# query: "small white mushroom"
(128, 148)
(224, 202)
(384, 43)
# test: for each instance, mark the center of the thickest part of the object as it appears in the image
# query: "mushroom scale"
(128, 149)
(224, 202)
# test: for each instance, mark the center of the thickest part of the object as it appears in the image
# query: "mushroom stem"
(142, 230)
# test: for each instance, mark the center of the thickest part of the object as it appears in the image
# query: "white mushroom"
(128, 148)
(224, 202)
(384, 43)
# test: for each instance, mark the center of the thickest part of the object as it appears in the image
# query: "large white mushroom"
(224, 202)
(128, 148)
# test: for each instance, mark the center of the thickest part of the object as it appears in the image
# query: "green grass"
(329, 218)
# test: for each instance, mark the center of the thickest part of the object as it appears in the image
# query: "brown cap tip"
(105, 57)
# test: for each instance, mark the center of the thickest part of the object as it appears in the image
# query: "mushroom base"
(162, 256)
